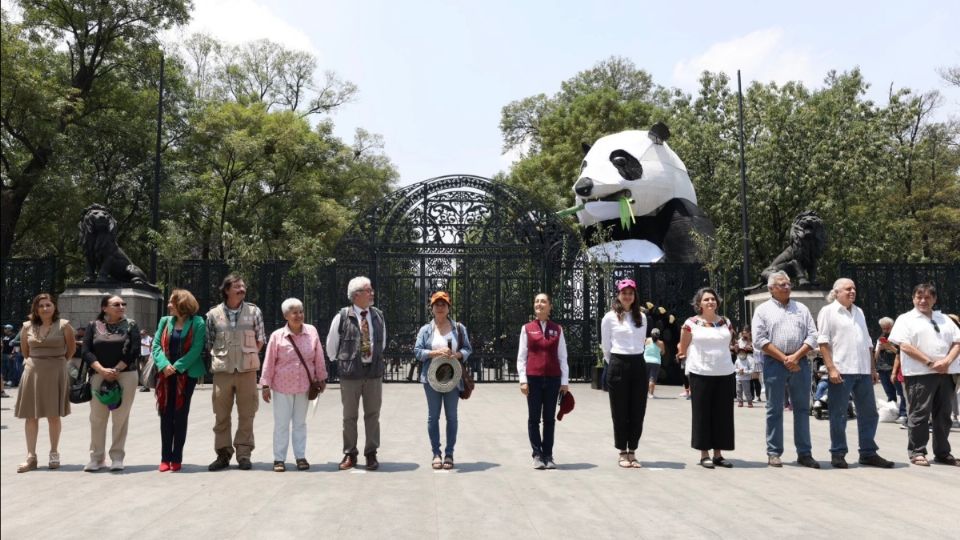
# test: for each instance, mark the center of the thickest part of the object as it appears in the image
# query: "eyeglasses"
(935, 327)
(118, 304)
(783, 285)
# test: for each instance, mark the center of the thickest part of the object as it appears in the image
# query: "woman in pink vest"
(544, 376)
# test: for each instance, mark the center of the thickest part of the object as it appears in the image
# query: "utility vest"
(542, 347)
(349, 363)
(235, 347)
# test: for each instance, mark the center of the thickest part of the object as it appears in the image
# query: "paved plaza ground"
(493, 493)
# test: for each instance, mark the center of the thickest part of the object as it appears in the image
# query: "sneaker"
(902, 420)
(116, 465)
(94, 466)
(876, 461)
(750, 405)
(838, 462)
(549, 464)
(808, 461)
(144, 389)
(649, 396)
(3, 394)
(538, 463)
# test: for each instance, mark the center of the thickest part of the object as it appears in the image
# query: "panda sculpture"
(636, 188)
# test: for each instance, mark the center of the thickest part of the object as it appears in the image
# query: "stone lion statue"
(808, 241)
(106, 262)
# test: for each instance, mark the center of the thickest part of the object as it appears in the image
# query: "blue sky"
(434, 75)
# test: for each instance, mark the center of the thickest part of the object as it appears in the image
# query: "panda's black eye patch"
(628, 166)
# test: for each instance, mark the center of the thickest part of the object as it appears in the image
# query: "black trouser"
(627, 380)
(755, 384)
(712, 408)
(173, 421)
(542, 393)
(928, 404)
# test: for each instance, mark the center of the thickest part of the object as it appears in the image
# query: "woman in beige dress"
(47, 342)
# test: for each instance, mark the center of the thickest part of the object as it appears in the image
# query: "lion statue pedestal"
(80, 304)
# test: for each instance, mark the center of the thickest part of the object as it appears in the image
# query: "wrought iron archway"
(491, 246)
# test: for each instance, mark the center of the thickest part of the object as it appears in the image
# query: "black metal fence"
(885, 289)
(22, 280)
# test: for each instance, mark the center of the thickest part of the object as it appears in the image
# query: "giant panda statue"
(635, 171)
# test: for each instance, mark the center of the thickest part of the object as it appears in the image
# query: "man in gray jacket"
(356, 341)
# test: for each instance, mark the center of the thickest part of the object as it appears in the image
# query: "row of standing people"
(233, 333)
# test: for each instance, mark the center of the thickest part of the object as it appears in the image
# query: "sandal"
(279, 466)
(448, 463)
(54, 462)
(437, 463)
(624, 460)
(29, 465)
(920, 460)
(303, 464)
(706, 462)
(634, 464)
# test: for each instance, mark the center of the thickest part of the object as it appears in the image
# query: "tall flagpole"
(155, 199)
(744, 218)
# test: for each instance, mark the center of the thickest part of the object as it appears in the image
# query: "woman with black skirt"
(705, 345)
(623, 333)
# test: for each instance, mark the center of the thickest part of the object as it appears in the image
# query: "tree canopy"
(883, 176)
(251, 167)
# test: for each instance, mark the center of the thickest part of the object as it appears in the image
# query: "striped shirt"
(787, 327)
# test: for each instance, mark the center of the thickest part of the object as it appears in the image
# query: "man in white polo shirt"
(846, 350)
(929, 345)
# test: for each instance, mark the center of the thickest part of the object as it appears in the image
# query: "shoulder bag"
(314, 385)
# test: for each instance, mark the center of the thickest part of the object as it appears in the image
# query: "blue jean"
(542, 394)
(778, 378)
(449, 401)
(822, 388)
(861, 386)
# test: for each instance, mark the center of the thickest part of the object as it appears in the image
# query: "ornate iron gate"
(490, 246)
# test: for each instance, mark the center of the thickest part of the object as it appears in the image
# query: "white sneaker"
(94, 466)
(902, 420)
(116, 465)
(649, 396)
(538, 464)
(549, 464)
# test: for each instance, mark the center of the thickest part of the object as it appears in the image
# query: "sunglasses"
(935, 327)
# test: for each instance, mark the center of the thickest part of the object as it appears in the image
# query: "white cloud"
(762, 55)
(239, 21)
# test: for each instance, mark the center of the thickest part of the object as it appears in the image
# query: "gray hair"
(356, 285)
(290, 304)
(772, 278)
(836, 288)
(885, 320)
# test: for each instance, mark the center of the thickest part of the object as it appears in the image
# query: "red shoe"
(175, 466)
(164, 466)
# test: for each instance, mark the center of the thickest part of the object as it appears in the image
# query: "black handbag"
(80, 391)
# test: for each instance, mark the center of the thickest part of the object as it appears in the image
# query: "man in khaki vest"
(235, 336)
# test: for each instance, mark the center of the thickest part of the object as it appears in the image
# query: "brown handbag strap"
(300, 356)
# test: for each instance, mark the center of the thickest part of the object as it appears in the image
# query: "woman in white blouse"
(705, 344)
(623, 332)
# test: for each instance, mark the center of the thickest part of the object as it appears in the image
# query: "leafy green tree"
(59, 67)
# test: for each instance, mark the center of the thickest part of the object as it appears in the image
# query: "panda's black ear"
(659, 133)
(585, 147)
